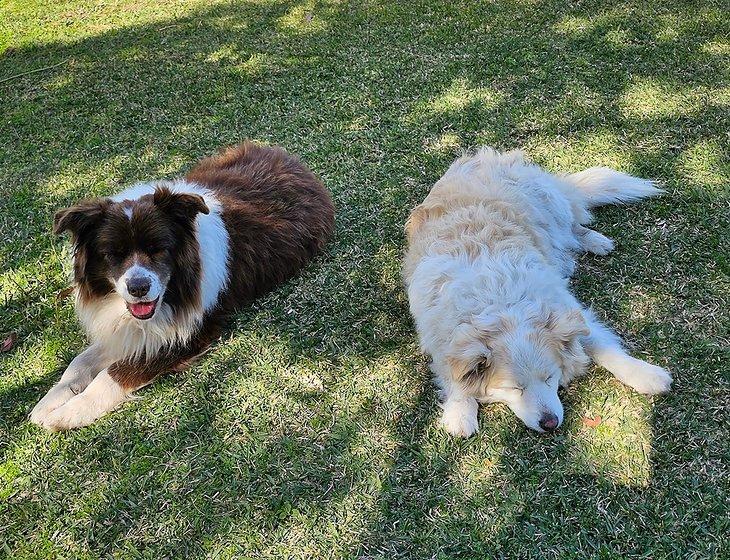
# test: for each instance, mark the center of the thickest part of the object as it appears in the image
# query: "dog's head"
(135, 247)
(521, 361)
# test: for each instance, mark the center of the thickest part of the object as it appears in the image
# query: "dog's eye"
(482, 367)
(158, 253)
(520, 389)
(115, 254)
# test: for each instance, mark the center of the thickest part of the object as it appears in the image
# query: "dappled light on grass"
(705, 166)
(576, 153)
(459, 95)
(301, 19)
(645, 99)
(575, 26)
(447, 143)
(719, 48)
(618, 447)
(29, 361)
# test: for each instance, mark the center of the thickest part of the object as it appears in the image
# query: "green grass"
(310, 431)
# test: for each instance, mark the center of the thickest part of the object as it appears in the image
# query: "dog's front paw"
(100, 396)
(77, 412)
(649, 379)
(56, 397)
(597, 243)
(460, 418)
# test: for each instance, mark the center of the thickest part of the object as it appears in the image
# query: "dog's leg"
(101, 396)
(111, 387)
(108, 390)
(604, 347)
(460, 411)
(592, 241)
(79, 373)
(459, 416)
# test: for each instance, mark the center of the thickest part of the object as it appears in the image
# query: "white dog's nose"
(548, 422)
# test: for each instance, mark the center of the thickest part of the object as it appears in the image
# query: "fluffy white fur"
(490, 252)
(109, 323)
(83, 394)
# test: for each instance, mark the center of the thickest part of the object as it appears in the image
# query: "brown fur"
(277, 213)
(278, 216)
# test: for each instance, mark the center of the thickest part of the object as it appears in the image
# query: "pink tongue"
(142, 309)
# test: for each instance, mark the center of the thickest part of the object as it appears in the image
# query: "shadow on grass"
(310, 431)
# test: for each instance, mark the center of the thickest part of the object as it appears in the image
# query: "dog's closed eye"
(482, 368)
(115, 254)
(520, 389)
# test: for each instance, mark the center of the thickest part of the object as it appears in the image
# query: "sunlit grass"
(706, 166)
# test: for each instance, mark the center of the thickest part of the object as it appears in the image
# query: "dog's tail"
(603, 185)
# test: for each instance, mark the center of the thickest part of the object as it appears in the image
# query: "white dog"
(490, 253)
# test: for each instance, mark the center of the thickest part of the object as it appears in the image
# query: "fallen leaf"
(9, 343)
(592, 422)
(63, 294)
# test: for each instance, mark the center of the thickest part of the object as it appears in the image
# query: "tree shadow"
(336, 452)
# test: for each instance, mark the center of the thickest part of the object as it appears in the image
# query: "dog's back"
(497, 202)
(500, 197)
(277, 213)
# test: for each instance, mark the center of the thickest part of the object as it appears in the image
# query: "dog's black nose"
(138, 286)
(549, 422)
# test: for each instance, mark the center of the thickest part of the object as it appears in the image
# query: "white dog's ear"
(419, 216)
(566, 327)
(470, 347)
(563, 331)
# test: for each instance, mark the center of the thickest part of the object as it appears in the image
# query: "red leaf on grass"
(9, 343)
(592, 422)
(63, 294)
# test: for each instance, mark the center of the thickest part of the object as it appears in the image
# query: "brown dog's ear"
(185, 205)
(77, 218)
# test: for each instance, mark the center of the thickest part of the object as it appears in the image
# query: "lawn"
(310, 431)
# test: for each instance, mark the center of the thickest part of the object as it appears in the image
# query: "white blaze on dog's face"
(521, 364)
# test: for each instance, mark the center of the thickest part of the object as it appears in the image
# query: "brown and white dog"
(490, 253)
(160, 266)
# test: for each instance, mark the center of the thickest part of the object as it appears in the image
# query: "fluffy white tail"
(603, 185)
